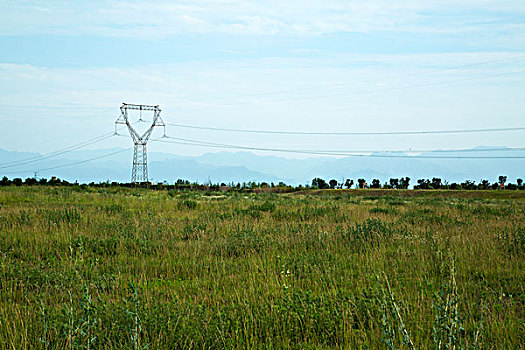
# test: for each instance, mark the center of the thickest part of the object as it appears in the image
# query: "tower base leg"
(139, 171)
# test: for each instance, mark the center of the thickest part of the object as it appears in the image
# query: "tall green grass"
(137, 269)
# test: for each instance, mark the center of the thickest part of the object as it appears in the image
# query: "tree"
(512, 186)
(5, 181)
(394, 183)
(375, 184)
(436, 183)
(17, 181)
(468, 185)
(484, 185)
(404, 182)
(349, 183)
(423, 184)
(319, 183)
(361, 183)
(520, 183)
(333, 183)
(502, 179)
(31, 181)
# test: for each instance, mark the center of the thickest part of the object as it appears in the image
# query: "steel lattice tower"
(139, 172)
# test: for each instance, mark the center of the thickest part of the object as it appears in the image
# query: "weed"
(447, 331)
(88, 320)
(372, 232)
(187, 204)
(240, 243)
(193, 229)
(393, 320)
(63, 216)
(79, 328)
(512, 241)
(114, 208)
(266, 206)
(379, 210)
(45, 323)
(134, 321)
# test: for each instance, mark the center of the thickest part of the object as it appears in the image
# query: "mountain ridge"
(245, 166)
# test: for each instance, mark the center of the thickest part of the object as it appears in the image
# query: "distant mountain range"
(245, 166)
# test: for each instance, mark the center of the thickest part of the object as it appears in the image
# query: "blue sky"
(65, 68)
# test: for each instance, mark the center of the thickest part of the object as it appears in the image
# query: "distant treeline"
(422, 184)
(317, 183)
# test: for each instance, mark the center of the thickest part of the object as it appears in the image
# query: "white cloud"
(165, 18)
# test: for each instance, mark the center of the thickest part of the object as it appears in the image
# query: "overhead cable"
(287, 132)
(56, 153)
(64, 150)
(70, 164)
(321, 152)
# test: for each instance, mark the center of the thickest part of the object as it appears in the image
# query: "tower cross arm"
(157, 121)
(141, 107)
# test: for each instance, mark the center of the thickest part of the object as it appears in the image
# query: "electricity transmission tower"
(139, 172)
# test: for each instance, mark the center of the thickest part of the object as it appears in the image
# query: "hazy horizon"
(243, 166)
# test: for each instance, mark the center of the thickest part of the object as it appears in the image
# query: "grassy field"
(136, 269)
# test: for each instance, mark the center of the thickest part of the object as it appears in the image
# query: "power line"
(281, 132)
(70, 164)
(507, 149)
(64, 150)
(58, 152)
(321, 152)
(313, 152)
